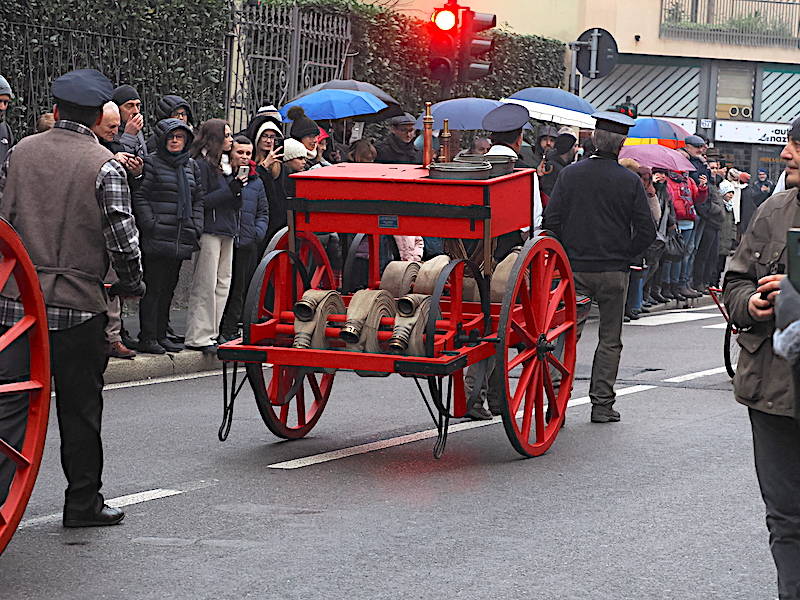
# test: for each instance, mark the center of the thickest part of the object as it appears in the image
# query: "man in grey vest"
(68, 199)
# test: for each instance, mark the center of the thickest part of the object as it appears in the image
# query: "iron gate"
(275, 52)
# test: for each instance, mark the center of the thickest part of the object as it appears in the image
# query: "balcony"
(733, 22)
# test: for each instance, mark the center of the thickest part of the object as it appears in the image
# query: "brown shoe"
(119, 350)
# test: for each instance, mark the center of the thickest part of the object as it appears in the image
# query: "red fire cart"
(518, 334)
(27, 456)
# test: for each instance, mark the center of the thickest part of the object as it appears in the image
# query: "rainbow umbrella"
(657, 131)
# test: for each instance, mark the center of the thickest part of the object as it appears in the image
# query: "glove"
(235, 186)
(127, 290)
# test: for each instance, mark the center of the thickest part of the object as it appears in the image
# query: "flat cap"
(403, 119)
(695, 140)
(87, 88)
(508, 117)
(615, 122)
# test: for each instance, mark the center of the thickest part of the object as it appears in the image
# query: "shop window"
(735, 94)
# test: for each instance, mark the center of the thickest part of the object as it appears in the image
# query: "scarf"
(178, 162)
(728, 205)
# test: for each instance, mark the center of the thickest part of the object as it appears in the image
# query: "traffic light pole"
(574, 78)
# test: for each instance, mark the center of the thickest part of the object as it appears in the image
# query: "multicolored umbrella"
(657, 156)
(657, 131)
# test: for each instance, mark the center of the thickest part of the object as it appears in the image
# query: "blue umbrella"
(336, 104)
(461, 113)
(554, 105)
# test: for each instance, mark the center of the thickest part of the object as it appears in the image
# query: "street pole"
(574, 83)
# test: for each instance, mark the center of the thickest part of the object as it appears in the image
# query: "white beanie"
(267, 125)
(726, 186)
(294, 149)
(5, 88)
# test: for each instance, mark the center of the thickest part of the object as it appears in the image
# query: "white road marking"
(697, 375)
(671, 318)
(119, 502)
(420, 435)
(722, 325)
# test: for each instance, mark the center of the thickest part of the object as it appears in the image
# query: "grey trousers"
(114, 327)
(609, 290)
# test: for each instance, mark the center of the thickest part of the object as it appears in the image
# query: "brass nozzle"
(351, 331)
(305, 309)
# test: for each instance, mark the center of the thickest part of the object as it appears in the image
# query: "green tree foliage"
(158, 47)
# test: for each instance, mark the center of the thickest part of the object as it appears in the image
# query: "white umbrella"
(554, 114)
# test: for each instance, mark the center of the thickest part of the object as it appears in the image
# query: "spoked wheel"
(311, 254)
(537, 335)
(730, 349)
(449, 293)
(25, 454)
(290, 399)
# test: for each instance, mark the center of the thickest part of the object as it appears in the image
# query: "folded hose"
(501, 275)
(409, 325)
(311, 317)
(429, 274)
(364, 314)
(399, 276)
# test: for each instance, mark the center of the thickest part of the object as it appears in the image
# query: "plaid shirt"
(119, 231)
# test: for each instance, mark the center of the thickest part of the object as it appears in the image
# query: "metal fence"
(278, 51)
(270, 55)
(733, 22)
(154, 67)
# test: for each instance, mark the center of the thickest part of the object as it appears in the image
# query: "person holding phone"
(222, 199)
(253, 219)
(763, 380)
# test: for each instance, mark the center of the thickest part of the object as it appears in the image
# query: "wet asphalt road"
(662, 505)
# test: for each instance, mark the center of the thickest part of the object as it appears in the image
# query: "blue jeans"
(671, 272)
(688, 256)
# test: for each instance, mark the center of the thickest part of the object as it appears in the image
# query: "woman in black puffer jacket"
(169, 214)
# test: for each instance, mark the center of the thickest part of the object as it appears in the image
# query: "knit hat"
(547, 131)
(726, 186)
(295, 149)
(5, 88)
(302, 126)
(123, 94)
(323, 135)
(764, 171)
(565, 142)
(267, 125)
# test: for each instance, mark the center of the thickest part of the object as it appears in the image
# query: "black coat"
(276, 200)
(254, 215)
(555, 164)
(155, 205)
(599, 212)
(392, 151)
(220, 203)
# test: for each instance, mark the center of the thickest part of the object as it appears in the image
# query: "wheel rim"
(538, 316)
(15, 262)
(278, 283)
(311, 254)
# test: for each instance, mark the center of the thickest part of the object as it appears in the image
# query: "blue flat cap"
(87, 88)
(508, 117)
(695, 140)
(615, 122)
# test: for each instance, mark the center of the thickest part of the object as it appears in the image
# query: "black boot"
(676, 292)
(666, 293)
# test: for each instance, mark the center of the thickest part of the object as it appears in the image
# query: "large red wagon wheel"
(290, 399)
(15, 262)
(310, 252)
(537, 332)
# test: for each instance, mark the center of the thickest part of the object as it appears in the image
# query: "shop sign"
(748, 132)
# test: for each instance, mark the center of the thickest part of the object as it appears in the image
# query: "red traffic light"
(444, 19)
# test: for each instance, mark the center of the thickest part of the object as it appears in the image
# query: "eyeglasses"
(268, 136)
(181, 113)
(4, 102)
(176, 136)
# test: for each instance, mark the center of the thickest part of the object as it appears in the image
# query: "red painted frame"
(15, 261)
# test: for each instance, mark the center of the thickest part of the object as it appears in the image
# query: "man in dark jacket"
(762, 187)
(712, 213)
(545, 142)
(6, 135)
(130, 134)
(763, 380)
(398, 146)
(253, 222)
(559, 157)
(599, 212)
(170, 107)
(694, 151)
(169, 213)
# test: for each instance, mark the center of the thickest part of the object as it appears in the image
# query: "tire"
(730, 350)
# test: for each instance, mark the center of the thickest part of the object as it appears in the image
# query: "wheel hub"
(543, 347)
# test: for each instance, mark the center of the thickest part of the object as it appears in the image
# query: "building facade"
(729, 69)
